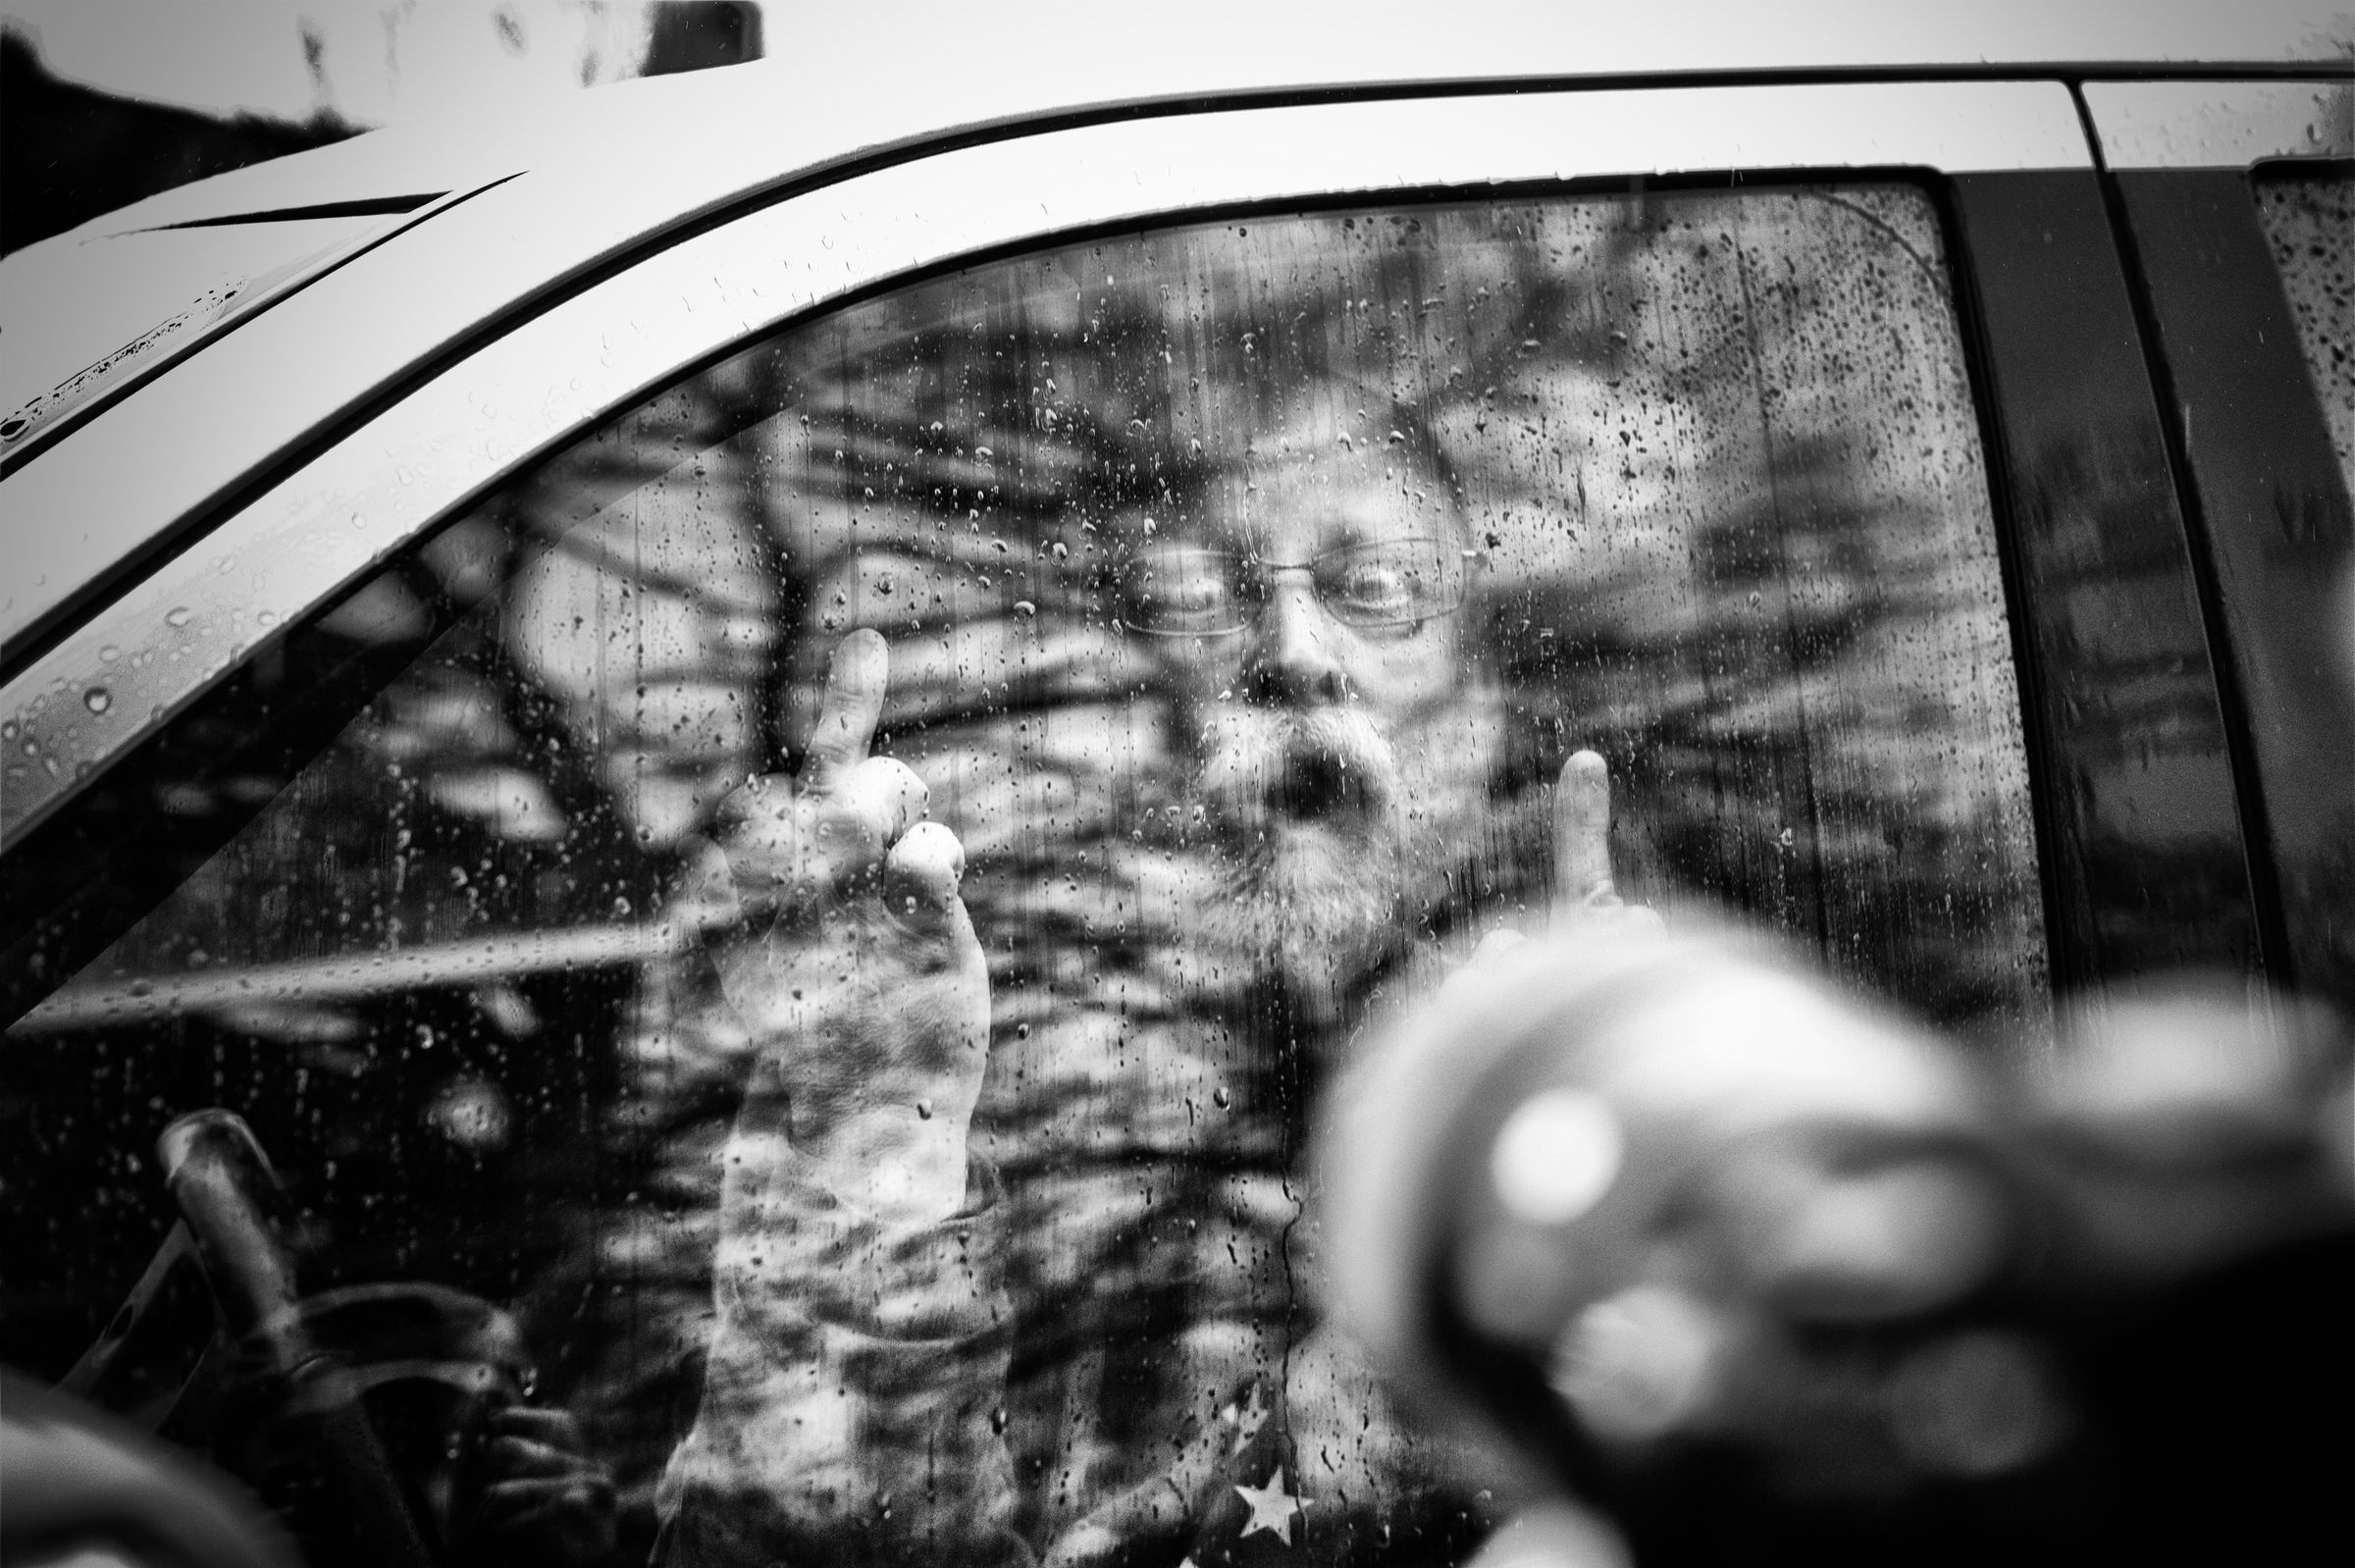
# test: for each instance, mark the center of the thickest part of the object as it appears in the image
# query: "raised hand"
(835, 926)
(1584, 889)
(1586, 894)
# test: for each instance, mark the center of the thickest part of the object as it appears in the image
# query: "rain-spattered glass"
(1432, 497)
(2309, 218)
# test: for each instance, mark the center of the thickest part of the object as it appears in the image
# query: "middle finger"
(847, 716)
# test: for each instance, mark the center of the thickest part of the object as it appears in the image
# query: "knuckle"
(757, 794)
(931, 850)
(893, 789)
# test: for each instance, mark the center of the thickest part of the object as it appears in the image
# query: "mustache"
(1262, 765)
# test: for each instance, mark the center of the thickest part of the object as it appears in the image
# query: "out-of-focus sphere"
(1555, 1156)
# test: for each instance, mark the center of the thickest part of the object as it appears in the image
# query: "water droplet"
(109, 654)
(923, 1110)
(178, 616)
(1219, 1097)
(97, 699)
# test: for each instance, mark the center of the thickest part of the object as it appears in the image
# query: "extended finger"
(854, 701)
(1581, 833)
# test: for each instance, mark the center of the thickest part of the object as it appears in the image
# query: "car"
(1235, 484)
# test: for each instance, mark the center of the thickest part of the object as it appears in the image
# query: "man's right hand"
(840, 939)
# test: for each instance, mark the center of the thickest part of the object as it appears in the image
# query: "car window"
(1246, 586)
(2309, 218)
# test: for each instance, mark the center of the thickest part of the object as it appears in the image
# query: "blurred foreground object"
(77, 1487)
(1761, 1271)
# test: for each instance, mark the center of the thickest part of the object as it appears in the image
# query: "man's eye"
(1378, 585)
(1392, 584)
(1193, 592)
(1182, 595)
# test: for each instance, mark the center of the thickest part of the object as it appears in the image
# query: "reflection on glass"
(1245, 589)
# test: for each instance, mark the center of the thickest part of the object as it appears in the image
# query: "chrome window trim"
(319, 530)
(2221, 125)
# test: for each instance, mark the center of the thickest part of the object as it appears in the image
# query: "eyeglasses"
(1189, 591)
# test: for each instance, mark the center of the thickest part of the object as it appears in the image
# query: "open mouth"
(1315, 783)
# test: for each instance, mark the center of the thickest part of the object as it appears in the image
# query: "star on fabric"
(1272, 1508)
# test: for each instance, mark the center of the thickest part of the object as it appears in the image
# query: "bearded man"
(1099, 1339)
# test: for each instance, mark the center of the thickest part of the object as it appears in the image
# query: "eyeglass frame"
(1264, 574)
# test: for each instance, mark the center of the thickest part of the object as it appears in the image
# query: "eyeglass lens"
(1196, 592)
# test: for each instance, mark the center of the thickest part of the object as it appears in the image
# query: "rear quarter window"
(2309, 219)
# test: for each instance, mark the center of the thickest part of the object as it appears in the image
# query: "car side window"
(2309, 218)
(1245, 589)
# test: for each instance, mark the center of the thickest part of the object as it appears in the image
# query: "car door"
(1792, 446)
(2231, 200)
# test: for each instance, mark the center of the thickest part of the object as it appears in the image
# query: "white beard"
(1311, 908)
(1323, 831)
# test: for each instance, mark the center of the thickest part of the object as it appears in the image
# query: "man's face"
(1310, 634)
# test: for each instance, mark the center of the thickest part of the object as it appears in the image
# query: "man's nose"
(1291, 651)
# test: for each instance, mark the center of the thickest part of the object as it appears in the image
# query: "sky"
(378, 62)
(367, 62)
